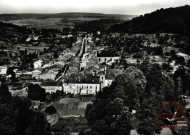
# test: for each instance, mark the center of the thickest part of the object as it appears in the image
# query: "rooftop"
(108, 53)
(81, 78)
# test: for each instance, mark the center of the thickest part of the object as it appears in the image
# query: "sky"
(129, 7)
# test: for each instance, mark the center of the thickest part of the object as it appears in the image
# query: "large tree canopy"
(141, 90)
(35, 92)
(17, 117)
(113, 105)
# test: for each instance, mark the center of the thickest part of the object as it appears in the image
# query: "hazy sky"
(134, 7)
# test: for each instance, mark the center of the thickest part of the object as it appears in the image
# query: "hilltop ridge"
(61, 15)
(170, 20)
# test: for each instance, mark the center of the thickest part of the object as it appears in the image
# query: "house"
(18, 73)
(107, 57)
(52, 89)
(81, 88)
(74, 133)
(108, 76)
(82, 84)
(35, 104)
(48, 75)
(3, 70)
(36, 73)
(38, 64)
(72, 69)
(96, 51)
(91, 63)
(131, 60)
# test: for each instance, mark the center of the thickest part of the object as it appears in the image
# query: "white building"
(105, 56)
(108, 76)
(38, 64)
(83, 84)
(108, 59)
(3, 70)
(81, 88)
(49, 75)
(36, 73)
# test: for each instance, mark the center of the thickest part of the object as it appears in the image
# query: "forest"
(171, 20)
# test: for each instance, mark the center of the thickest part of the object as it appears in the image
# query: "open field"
(50, 23)
(34, 21)
(67, 107)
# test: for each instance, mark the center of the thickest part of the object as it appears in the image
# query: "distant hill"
(62, 15)
(74, 20)
(171, 20)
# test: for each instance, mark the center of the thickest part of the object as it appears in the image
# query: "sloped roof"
(81, 78)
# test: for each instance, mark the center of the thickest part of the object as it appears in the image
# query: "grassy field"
(34, 21)
(47, 23)
(50, 23)
(67, 107)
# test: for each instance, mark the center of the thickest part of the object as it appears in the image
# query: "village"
(72, 74)
(89, 65)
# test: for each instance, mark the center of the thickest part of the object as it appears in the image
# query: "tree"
(129, 86)
(122, 125)
(35, 92)
(188, 63)
(38, 125)
(146, 115)
(50, 110)
(99, 128)
(181, 60)
(182, 74)
(12, 73)
(5, 95)
(116, 107)
(159, 85)
(88, 108)
(111, 103)
(17, 118)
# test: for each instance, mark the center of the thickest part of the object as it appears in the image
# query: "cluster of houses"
(82, 69)
(87, 72)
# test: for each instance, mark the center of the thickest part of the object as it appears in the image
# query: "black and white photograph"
(94, 67)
